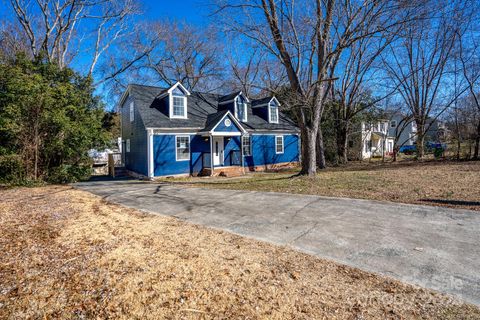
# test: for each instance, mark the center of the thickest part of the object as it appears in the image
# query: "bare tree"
(254, 73)
(307, 39)
(52, 27)
(470, 61)
(418, 65)
(353, 88)
(184, 53)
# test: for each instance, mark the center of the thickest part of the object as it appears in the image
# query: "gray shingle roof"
(228, 97)
(202, 111)
(261, 101)
(213, 119)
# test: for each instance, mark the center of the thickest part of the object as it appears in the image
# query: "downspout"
(241, 152)
(211, 154)
(151, 172)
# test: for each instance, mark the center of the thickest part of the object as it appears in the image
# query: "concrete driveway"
(433, 247)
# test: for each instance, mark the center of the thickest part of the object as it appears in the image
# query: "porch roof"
(223, 123)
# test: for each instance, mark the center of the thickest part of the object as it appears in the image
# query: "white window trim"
(176, 151)
(132, 111)
(283, 145)
(170, 102)
(250, 145)
(127, 145)
(269, 113)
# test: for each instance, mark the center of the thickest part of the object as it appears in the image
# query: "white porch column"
(210, 137)
(151, 168)
(241, 151)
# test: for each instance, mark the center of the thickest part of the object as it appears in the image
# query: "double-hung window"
(278, 144)
(393, 124)
(182, 148)
(247, 145)
(179, 106)
(273, 113)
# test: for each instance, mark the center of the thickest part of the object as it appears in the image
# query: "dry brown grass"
(69, 254)
(451, 184)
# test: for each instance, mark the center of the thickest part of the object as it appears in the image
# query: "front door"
(217, 151)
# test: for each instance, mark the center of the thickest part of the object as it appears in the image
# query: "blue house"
(171, 131)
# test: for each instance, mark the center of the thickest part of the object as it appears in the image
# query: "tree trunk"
(420, 140)
(320, 148)
(477, 143)
(309, 166)
(420, 146)
(342, 141)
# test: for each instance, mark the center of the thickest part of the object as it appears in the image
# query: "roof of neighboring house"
(202, 111)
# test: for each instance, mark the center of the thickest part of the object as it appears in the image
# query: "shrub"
(11, 169)
(69, 173)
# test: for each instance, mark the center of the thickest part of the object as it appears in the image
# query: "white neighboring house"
(399, 130)
(379, 138)
(375, 140)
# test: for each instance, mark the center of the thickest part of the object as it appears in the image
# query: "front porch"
(224, 158)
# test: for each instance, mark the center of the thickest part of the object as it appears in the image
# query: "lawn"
(69, 254)
(442, 183)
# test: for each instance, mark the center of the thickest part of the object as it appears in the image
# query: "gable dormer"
(237, 104)
(267, 108)
(177, 101)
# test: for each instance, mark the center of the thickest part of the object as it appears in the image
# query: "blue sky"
(191, 11)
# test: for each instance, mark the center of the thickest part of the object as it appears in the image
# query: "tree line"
(332, 63)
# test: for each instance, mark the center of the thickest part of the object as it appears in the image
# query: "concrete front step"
(120, 172)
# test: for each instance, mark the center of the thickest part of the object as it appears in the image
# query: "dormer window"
(241, 108)
(177, 101)
(179, 106)
(273, 111)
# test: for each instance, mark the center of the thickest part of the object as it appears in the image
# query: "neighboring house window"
(273, 112)
(183, 148)
(132, 112)
(127, 145)
(247, 145)
(179, 106)
(278, 144)
(393, 123)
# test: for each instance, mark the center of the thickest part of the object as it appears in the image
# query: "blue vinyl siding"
(136, 159)
(230, 144)
(198, 146)
(223, 128)
(263, 150)
(164, 156)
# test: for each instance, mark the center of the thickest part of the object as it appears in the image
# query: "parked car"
(431, 147)
(408, 149)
